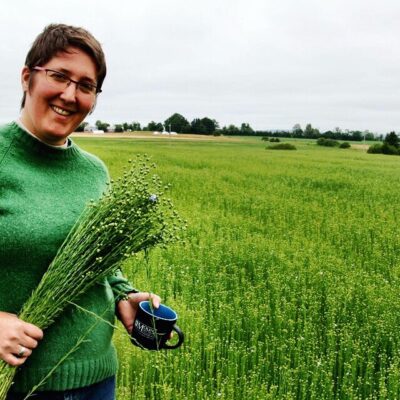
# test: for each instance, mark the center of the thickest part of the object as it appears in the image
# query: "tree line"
(309, 132)
(208, 126)
(391, 145)
(176, 123)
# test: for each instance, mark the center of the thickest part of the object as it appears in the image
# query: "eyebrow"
(68, 72)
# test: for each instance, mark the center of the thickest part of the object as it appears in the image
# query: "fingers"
(33, 331)
(136, 298)
(17, 356)
(17, 339)
(28, 342)
(13, 360)
(18, 351)
(155, 300)
(22, 352)
(126, 314)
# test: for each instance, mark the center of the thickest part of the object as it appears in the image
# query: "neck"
(24, 125)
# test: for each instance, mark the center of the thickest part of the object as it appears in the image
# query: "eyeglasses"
(61, 81)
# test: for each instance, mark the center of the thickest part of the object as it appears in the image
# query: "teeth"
(60, 111)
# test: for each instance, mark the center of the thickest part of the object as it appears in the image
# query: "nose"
(69, 93)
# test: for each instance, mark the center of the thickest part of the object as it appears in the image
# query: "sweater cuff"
(120, 286)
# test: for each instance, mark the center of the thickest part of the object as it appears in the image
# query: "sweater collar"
(31, 144)
(23, 127)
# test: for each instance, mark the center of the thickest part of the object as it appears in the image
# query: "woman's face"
(50, 113)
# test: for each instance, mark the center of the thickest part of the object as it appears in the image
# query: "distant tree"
(206, 126)
(118, 128)
(135, 126)
(159, 127)
(154, 126)
(187, 129)
(310, 132)
(392, 139)
(210, 125)
(329, 134)
(335, 134)
(246, 129)
(384, 148)
(345, 135)
(176, 123)
(81, 127)
(103, 126)
(357, 135)
(390, 149)
(327, 142)
(197, 126)
(375, 148)
(297, 131)
(231, 130)
(150, 126)
(368, 135)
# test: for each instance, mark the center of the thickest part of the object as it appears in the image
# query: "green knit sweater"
(43, 190)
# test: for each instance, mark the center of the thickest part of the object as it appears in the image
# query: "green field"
(289, 284)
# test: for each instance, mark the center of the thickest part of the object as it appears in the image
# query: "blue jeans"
(104, 390)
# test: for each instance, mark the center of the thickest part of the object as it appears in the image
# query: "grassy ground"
(288, 286)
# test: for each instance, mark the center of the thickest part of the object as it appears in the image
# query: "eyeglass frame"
(77, 83)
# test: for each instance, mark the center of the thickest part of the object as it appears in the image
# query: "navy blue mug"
(153, 326)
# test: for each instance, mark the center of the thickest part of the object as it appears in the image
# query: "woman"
(45, 182)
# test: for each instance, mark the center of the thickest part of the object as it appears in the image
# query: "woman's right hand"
(17, 339)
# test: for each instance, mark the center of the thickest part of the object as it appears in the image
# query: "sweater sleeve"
(120, 285)
(5, 143)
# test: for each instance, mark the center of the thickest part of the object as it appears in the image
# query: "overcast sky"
(271, 63)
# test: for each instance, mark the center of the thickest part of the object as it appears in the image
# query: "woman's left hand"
(127, 308)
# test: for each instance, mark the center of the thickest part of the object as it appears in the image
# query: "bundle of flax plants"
(132, 216)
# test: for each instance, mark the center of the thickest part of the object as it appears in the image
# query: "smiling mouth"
(61, 111)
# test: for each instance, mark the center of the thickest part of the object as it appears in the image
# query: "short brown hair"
(57, 38)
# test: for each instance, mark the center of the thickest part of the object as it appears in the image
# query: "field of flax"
(289, 284)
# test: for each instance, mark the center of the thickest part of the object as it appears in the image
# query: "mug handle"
(180, 341)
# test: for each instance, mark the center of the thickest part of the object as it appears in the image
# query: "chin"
(59, 130)
(57, 135)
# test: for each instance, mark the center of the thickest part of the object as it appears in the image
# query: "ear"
(25, 78)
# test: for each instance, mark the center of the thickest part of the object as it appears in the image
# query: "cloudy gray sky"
(271, 63)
